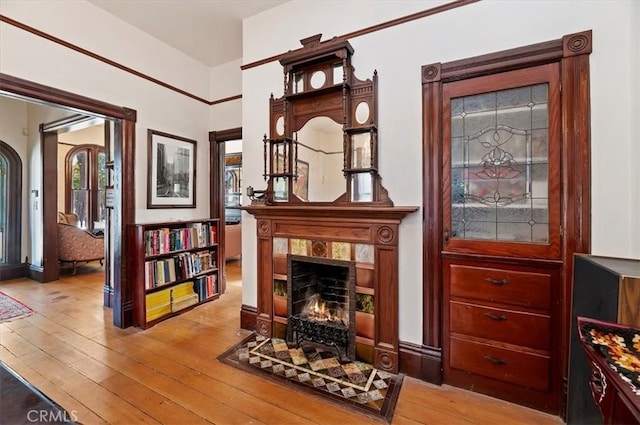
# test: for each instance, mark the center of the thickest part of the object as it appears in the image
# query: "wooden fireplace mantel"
(376, 226)
(331, 211)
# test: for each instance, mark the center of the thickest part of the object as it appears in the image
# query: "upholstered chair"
(76, 244)
(69, 218)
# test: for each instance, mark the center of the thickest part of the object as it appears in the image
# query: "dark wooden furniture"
(506, 205)
(176, 267)
(614, 389)
(607, 289)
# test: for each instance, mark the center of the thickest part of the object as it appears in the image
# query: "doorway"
(118, 291)
(226, 176)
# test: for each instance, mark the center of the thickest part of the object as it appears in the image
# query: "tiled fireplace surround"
(366, 235)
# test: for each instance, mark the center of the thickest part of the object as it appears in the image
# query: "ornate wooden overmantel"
(377, 226)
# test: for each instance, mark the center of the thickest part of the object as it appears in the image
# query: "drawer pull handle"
(496, 317)
(498, 282)
(497, 361)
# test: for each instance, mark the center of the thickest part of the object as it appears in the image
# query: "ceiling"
(210, 31)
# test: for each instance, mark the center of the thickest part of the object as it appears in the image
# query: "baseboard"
(34, 272)
(248, 316)
(421, 362)
(108, 296)
(12, 271)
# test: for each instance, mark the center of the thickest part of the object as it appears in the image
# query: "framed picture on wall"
(171, 179)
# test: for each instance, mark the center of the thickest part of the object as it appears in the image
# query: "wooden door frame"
(216, 177)
(124, 188)
(572, 52)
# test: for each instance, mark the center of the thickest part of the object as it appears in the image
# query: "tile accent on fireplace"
(319, 249)
(299, 247)
(364, 253)
(280, 245)
(341, 250)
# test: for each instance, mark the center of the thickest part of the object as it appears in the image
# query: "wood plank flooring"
(169, 374)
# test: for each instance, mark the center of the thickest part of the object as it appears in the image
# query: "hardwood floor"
(169, 374)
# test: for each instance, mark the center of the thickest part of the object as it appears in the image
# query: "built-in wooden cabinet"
(176, 267)
(506, 207)
(498, 322)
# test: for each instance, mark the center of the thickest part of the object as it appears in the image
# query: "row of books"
(170, 300)
(206, 286)
(164, 240)
(181, 266)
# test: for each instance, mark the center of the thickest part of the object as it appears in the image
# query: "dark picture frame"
(171, 177)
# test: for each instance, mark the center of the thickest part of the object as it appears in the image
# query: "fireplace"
(321, 303)
(366, 236)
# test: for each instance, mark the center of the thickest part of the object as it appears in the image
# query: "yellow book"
(182, 290)
(158, 304)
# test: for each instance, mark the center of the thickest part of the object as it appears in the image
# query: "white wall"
(27, 56)
(226, 81)
(36, 115)
(13, 128)
(634, 128)
(398, 54)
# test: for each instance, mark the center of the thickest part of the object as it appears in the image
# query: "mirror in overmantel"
(322, 144)
(320, 161)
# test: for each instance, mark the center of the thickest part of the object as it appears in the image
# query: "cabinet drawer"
(516, 367)
(500, 285)
(514, 327)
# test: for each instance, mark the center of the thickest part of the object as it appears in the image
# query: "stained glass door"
(502, 164)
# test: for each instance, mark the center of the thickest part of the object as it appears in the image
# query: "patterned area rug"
(356, 384)
(11, 309)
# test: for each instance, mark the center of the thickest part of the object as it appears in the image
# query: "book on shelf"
(206, 286)
(181, 266)
(165, 240)
(170, 300)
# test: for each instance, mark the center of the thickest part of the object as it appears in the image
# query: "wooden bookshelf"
(176, 267)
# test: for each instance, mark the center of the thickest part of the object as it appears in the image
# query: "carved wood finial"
(311, 42)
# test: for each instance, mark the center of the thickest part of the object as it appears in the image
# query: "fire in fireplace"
(321, 302)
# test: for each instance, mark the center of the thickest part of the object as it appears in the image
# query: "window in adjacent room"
(85, 185)
(10, 204)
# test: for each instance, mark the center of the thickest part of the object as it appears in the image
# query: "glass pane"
(79, 171)
(102, 170)
(281, 189)
(280, 155)
(361, 150)
(337, 74)
(362, 187)
(80, 206)
(499, 165)
(298, 82)
(101, 208)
